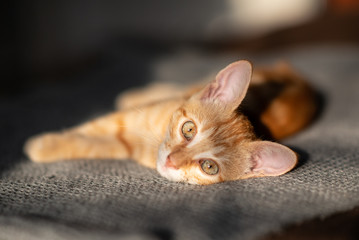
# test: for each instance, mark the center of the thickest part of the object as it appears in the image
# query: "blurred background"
(52, 41)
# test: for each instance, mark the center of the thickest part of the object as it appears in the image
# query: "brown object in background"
(343, 6)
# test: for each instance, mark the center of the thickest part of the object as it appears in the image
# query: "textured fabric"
(109, 199)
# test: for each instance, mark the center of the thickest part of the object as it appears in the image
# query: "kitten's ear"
(230, 86)
(271, 159)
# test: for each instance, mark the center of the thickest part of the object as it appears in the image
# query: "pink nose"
(170, 163)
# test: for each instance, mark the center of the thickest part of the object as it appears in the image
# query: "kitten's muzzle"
(170, 163)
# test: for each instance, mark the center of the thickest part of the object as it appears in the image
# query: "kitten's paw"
(41, 148)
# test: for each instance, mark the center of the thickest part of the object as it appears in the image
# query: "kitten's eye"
(189, 130)
(209, 167)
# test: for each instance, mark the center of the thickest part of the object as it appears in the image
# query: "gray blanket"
(109, 199)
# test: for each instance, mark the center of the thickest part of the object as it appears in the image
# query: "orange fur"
(147, 128)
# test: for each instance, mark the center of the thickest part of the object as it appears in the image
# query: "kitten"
(199, 135)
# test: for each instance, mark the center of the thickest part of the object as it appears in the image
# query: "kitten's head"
(208, 141)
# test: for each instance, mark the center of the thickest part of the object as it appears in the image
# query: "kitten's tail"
(295, 107)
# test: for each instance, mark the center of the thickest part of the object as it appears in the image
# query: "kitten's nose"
(170, 163)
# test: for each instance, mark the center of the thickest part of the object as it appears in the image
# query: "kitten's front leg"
(51, 147)
(98, 139)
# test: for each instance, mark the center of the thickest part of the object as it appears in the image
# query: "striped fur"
(150, 132)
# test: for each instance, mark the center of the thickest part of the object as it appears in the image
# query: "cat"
(202, 134)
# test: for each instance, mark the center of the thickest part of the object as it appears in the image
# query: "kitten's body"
(149, 127)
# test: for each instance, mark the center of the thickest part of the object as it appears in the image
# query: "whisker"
(139, 110)
(152, 138)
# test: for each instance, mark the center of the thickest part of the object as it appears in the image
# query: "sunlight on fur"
(198, 134)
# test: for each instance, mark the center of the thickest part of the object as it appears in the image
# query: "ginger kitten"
(200, 135)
